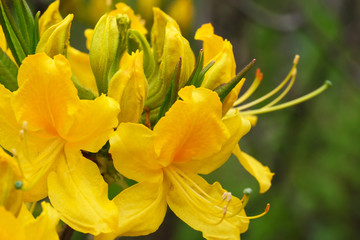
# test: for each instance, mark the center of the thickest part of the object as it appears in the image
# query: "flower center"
(212, 206)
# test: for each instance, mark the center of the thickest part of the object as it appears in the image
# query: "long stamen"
(287, 89)
(275, 90)
(304, 98)
(251, 89)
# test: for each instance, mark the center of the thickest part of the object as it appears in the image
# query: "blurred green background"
(313, 148)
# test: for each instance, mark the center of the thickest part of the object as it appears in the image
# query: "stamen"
(261, 214)
(251, 89)
(14, 152)
(304, 98)
(22, 134)
(24, 125)
(274, 91)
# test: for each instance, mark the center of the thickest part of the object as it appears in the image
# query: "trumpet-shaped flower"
(220, 51)
(191, 139)
(25, 226)
(42, 123)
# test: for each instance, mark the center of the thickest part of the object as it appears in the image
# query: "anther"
(14, 152)
(225, 210)
(22, 134)
(296, 59)
(24, 125)
(224, 195)
(247, 191)
(18, 184)
(228, 198)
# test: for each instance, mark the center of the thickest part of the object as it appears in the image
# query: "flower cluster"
(74, 123)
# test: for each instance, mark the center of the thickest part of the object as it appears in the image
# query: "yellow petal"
(89, 33)
(79, 194)
(212, 43)
(142, 208)
(9, 127)
(11, 228)
(206, 217)
(80, 66)
(50, 17)
(192, 129)
(10, 197)
(237, 127)
(44, 226)
(129, 88)
(46, 98)
(132, 149)
(255, 168)
(224, 68)
(100, 118)
(136, 22)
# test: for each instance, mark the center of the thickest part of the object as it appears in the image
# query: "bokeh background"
(313, 148)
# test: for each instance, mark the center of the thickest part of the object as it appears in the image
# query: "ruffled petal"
(237, 126)
(192, 129)
(212, 43)
(10, 226)
(9, 127)
(100, 116)
(142, 208)
(79, 193)
(46, 98)
(132, 149)
(255, 168)
(206, 216)
(44, 226)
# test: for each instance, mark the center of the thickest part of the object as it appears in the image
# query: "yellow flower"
(224, 69)
(42, 123)
(25, 226)
(191, 139)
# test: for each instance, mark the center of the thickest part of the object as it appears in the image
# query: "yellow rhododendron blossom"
(42, 123)
(166, 162)
(25, 226)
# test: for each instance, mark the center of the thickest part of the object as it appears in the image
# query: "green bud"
(107, 47)
(55, 40)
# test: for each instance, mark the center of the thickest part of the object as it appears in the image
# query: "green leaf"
(26, 23)
(172, 93)
(14, 39)
(224, 89)
(8, 72)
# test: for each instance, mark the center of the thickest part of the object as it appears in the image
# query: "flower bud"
(129, 87)
(107, 47)
(50, 17)
(55, 40)
(169, 46)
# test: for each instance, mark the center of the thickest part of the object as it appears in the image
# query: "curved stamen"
(304, 98)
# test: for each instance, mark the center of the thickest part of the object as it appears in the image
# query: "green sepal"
(123, 23)
(13, 36)
(8, 72)
(197, 76)
(172, 92)
(224, 89)
(26, 23)
(134, 41)
(83, 92)
(197, 69)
